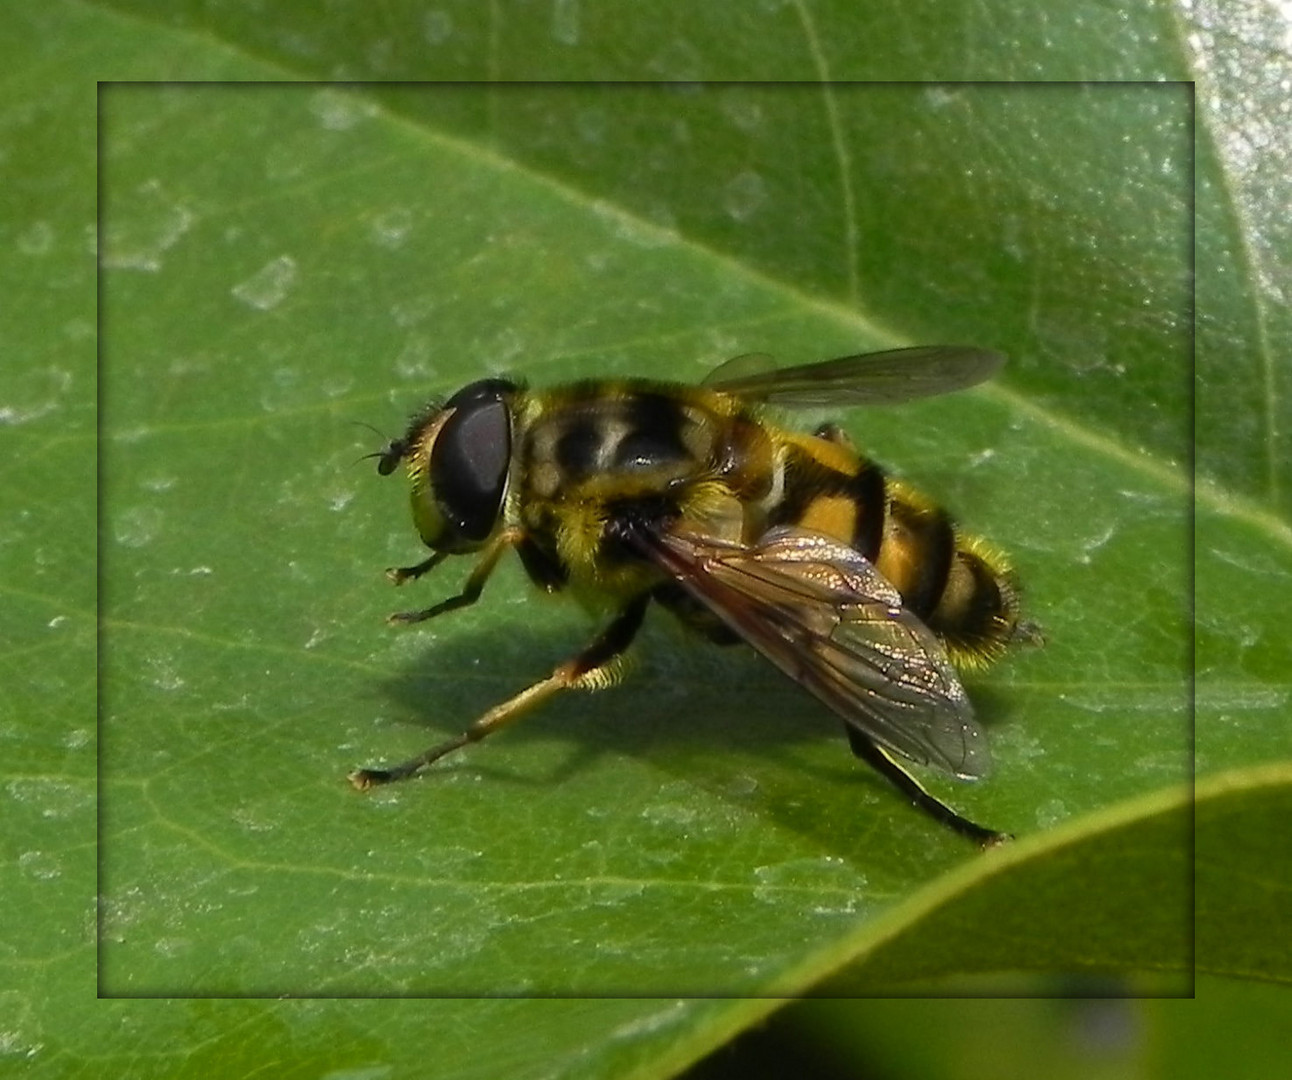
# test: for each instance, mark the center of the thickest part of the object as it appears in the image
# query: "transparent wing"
(746, 366)
(825, 616)
(880, 378)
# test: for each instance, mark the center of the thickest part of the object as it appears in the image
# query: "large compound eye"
(471, 456)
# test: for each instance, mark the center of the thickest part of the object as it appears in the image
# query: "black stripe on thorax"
(625, 431)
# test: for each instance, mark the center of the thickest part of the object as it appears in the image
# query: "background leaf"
(1088, 1036)
(47, 109)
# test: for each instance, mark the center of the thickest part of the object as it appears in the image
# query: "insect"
(632, 492)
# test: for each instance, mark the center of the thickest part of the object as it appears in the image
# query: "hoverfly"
(632, 491)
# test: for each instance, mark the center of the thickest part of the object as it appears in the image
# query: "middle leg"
(591, 669)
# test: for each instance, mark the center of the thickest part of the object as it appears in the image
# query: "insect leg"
(470, 591)
(593, 669)
(399, 574)
(882, 762)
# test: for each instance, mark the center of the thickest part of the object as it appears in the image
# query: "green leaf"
(1142, 846)
(1008, 217)
(283, 262)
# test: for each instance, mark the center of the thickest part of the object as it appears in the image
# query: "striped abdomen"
(954, 583)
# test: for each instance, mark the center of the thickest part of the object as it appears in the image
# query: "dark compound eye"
(471, 456)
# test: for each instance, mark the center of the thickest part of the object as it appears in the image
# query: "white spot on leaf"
(745, 195)
(267, 287)
(565, 21)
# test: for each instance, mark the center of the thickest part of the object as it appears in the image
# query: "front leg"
(470, 591)
(399, 574)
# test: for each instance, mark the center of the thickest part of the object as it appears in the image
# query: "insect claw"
(363, 779)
